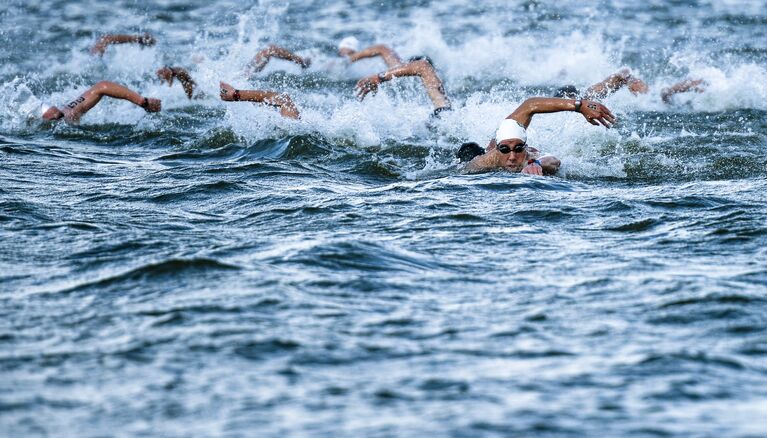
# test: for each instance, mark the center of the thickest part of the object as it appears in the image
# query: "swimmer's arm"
(74, 110)
(550, 165)
(167, 74)
(614, 83)
(594, 112)
(262, 58)
(186, 81)
(478, 165)
(420, 68)
(608, 86)
(697, 85)
(280, 100)
(389, 56)
(101, 45)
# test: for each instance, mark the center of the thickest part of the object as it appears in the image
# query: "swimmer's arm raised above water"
(421, 68)
(614, 83)
(262, 58)
(101, 45)
(168, 73)
(280, 100)
(72, 111)
(389, 56)
(594, 112)
(697, 85)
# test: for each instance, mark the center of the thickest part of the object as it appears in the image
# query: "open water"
(215, 270)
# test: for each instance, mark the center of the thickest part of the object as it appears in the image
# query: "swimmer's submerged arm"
(389, 56)
(101, 45)
(280, 100)
(594, 112)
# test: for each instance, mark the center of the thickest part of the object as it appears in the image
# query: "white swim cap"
(510, 129)
(349, 43)
(44, 107)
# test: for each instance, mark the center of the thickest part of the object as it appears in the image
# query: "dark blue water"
(215, 270)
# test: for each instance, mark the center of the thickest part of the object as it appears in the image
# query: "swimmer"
(280, 100)
(262, 58)
(422, 68)
(624, 78)
(73, 111)
(509, 150)
(105, 41)
(167, 74)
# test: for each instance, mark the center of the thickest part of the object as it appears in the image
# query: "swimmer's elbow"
(102, 86)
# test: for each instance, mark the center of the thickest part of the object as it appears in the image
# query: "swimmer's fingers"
(360, 92)
(365, 86)
(604, 122)
(608, 118)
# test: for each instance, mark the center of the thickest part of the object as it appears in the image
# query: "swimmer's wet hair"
(567, 92)
(469, 151)
(419, 58)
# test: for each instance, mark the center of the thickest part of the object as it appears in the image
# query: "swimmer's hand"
(166, 74)
(596, 113)
(227, 92)
(533, 169)
(637, 86)
(367, 85)
(146, 40)
(152, 105)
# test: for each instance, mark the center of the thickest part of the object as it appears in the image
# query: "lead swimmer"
(509, 149)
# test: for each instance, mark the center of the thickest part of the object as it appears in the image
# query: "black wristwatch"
(382, 77)
(578, 105)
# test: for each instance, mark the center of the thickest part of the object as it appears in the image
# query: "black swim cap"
(468, 151)
(421, 57)
(567, 92)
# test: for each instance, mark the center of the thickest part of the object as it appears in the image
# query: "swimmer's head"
(510, 130)
(511, 141)
(48, 112)
(348, 45)
(469, 151)
(567, 92)
(421, 58)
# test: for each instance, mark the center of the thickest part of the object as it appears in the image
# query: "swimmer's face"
(345, 52)
(514, 152)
